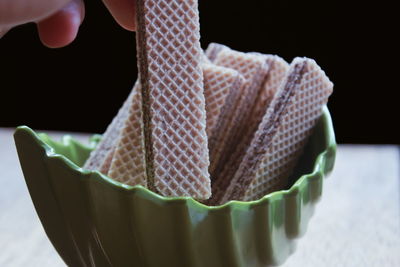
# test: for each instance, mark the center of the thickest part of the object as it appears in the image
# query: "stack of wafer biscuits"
(100, 159)
(215, 125)
(267, 161)
(254, 68)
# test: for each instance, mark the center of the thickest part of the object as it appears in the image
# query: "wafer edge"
(143, 73)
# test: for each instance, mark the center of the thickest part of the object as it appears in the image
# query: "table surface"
(356, 223)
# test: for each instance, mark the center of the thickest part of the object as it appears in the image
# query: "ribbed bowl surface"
(94, 221)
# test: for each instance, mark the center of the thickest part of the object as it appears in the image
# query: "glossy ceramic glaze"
(94, 221)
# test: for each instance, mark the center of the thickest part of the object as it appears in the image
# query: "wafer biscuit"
(213, 50)
(278, 68)
(282, 134)
(254, 69)
(128, 161)
(277, 72)
(205, 59)
(220, 87)
(169, 57)
(100, 158)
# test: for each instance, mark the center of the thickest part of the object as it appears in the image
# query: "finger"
(60, 29)
(124, 12)
(16, 12)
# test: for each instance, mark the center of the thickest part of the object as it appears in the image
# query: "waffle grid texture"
(276, 74)
(260, 112)
(282, 133)
(296, 126)
(219, 85)
(100, 158)
(128, 162)
(169, 56)
(253, 68)
(278, 68)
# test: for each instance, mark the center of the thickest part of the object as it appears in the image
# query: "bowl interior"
(321, 145)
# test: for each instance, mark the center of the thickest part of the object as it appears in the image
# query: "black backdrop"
(80, 87)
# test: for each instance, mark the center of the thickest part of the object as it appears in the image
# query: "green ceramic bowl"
(94, 221)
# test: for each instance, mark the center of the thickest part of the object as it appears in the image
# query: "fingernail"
(77, 8)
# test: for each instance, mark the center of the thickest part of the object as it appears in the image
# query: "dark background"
(81, 87)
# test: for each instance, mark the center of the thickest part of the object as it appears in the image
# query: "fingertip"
(62, 28)
(131, 26)
(3, 31)
(124, 12)
(51, 37)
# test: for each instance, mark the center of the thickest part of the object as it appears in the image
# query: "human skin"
(58, 21)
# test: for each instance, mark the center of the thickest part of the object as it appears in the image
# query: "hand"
(58, 21)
